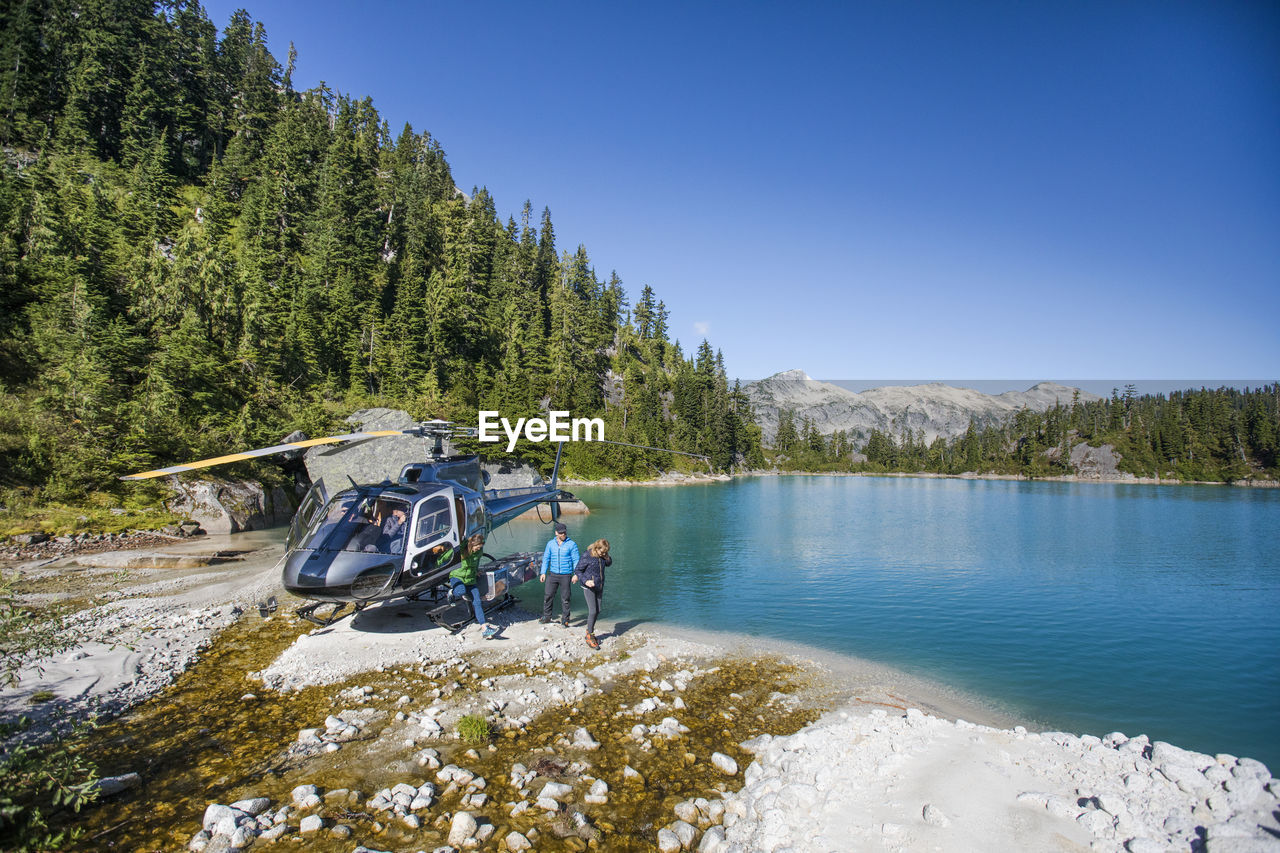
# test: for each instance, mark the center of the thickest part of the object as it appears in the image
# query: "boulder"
(222, 506)
(1097, 463)
(369, 461)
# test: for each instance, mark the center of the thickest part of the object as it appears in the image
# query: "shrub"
(473, 728)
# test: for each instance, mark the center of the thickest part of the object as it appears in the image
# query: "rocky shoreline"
(660, 740)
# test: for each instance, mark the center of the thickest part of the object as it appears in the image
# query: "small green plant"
(473, 728)
(39, 779)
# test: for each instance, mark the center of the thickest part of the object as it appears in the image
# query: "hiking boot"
(545, 620)
(564, 623)
(490, 631)
(592, 641)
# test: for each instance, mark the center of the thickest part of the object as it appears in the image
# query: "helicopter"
(377, 542)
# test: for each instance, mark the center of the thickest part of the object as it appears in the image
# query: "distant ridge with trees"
(1207, 435)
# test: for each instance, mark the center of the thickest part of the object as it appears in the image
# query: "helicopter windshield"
(361, 523)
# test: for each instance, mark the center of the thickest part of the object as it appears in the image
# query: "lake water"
(1079, 606)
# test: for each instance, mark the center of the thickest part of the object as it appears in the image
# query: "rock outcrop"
(231, 506)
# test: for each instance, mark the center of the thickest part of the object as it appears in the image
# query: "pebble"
(516, 842)
(557, 791)
(724, 763)
(934, 816)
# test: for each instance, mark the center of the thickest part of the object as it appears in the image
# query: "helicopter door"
(312, 502)
(433, 527)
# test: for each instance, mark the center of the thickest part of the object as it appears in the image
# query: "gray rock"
(223, 506)
(311, 823)
(934, 816)
(462, 827)
(686, 833)
(712, 840)
(216, 814)
(243, 837)
(1098, 823)
(303, 793)
(583, 740)
(254, 806)
(115, 784)
(668, 842)
(31, 538)
(724, 763)
(686, 811)
(199, 842)
(372, 461)
(516, 842)
(557, 791)
(276, 832)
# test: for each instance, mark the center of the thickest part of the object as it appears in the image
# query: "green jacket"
(466, 570)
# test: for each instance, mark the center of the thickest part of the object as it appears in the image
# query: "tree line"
(1217, 435)
(197, 257)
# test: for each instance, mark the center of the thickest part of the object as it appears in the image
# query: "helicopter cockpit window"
(434, 521)
(367, 524)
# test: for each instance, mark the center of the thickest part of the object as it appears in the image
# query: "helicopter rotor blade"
(342, 448)
(267, 451)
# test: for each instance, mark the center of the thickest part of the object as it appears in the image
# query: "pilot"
(366, 538)
(393, 530)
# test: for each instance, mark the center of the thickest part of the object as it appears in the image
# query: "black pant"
(593, 607)
(565, 583)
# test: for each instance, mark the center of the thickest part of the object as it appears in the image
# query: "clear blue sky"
(912, 189)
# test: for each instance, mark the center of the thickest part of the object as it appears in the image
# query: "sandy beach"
(883, 761)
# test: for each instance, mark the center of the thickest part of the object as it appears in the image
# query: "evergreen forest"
(197, 258)
(1214, 435)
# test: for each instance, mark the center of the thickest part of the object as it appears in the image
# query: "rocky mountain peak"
(935, 408)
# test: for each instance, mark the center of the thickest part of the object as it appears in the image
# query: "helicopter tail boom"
(506, 504)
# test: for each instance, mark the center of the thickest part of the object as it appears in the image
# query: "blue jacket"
(560, 559)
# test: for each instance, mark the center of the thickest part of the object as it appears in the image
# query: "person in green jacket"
(462, 581)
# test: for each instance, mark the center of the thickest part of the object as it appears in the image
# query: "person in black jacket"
(590, 572)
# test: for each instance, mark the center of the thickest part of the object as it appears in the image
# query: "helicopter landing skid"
(339, 611)
(456, 615)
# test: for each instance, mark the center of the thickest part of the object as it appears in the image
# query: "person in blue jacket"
(559, 559)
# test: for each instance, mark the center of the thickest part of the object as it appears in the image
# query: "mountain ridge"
(937, 409)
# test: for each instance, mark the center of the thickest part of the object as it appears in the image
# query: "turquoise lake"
(1079, 606)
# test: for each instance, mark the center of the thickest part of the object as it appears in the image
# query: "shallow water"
(204, 740)
(1082, 606)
